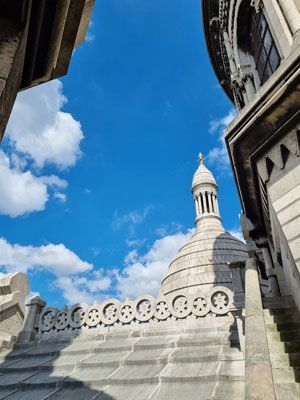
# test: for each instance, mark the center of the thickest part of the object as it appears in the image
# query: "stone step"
(269, 302)
(110, 392)
(126, 375)
(15, 394)
(283, 347)
(286, 316)
(283, 327)
(200, 391)
(290, 336)
(287, 391)
(285, 360)
(205, 371)
(286, 375)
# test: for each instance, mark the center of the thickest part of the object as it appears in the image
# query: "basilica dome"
(202, 263)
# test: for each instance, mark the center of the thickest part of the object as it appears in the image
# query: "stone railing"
(145, 309)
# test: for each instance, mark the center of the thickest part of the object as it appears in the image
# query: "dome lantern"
(205, 194)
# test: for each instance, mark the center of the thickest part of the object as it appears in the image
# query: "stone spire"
(205, 194)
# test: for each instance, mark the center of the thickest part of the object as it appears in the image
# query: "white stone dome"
(203, 176)
(202, 263)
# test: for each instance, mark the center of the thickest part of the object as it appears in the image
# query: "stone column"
(216, 204)
(291, 14)
(210, 202)
(197, 206)
(204, 202)
(33, 309)
(258, 373)
(200, 204)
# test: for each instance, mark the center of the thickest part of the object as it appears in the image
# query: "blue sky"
(96, 169)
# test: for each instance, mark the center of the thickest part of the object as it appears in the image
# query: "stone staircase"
(179, 360)
(282, 320)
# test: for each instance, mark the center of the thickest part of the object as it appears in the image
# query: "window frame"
(258, 47)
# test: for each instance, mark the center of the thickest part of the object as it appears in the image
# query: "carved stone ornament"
(77, 315)
(201, 305)
(221, 300)
(47, 319)
(161, 311)
(127, 312)
(144, 308)
(94, 315)
(110, 311)
(62, 319)
(180, 306)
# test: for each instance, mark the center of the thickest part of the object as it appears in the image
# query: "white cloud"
(54, 257)
(81, 289)
(130, 219)
(39, 129)
(22, 192)
(144, 273)
(218, 155)
(62, 197)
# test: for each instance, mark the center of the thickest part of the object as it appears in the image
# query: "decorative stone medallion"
(110, 311)
(62, 319)
(77, 315)
(47, 319)
(180, 306)
(94, 315)
(144, 308)
(161, 309)
(201, 306)
(127, 312)
(221, 298)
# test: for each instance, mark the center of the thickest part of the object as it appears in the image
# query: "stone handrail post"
(34, 307)
(258, 373)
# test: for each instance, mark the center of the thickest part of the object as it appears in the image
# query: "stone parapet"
(144, 310)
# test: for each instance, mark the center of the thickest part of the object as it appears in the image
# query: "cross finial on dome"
(200, 158)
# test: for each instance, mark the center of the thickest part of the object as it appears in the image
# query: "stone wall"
(13, 290)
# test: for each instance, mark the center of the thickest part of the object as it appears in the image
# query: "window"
(263, 48)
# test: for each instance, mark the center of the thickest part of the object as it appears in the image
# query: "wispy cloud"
(130, 219)
(218, 155)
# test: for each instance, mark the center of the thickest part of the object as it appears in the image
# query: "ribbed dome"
(203, 176)
(202, 262)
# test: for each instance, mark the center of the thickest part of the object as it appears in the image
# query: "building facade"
(254, 47)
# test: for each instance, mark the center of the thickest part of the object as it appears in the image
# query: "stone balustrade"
(145, 309)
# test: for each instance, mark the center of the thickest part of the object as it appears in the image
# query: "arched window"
(263, 48)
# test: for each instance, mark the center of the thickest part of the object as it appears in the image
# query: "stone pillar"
(291, 14)
(200, 204)
(258, 373)
(204, 202)
(210, 202)
(33, 310)
(197, 206)
(216, 205)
